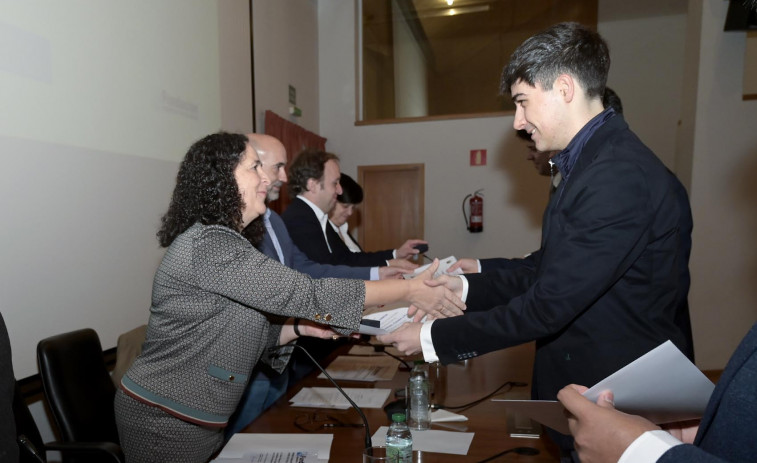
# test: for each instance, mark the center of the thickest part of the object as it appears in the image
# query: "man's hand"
(601, 433)
(402, 264)
(391, 273)
(684, 431)
(407, 249)
(315, 330)
(466, 264)
(406, 338)
(432, 297)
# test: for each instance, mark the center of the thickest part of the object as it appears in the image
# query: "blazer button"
(317, 316)
(327, 317)
(231, 378)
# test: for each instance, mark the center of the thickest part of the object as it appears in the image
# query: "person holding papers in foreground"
(726, 432)
(219, 304)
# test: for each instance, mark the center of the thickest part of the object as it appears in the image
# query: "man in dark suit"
(277, 242)
(726, 432)
(314, 178)
(542, 161)
(610, 281)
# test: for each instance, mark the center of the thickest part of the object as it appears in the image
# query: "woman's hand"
(307, 328)
(433, 297)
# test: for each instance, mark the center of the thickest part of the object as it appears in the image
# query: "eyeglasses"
(312, 422)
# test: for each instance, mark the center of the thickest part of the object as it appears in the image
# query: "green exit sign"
(292, 95)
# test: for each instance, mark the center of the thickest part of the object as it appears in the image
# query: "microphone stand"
(368, 441)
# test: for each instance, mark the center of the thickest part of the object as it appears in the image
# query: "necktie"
(272, 235)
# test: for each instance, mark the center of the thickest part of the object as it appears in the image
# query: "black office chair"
(33, 450)
(79, 391)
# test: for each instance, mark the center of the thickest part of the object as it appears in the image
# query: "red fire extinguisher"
(476, 208)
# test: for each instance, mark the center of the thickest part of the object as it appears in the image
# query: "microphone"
(368, 441)
(29, 447)
(381, 348)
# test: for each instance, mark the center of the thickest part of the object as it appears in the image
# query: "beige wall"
(286, 53)
(723, 264)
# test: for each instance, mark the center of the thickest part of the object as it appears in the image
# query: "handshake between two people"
(429, 297)
(446, 302)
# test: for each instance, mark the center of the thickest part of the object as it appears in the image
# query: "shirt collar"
(566, 159)
(322, 217)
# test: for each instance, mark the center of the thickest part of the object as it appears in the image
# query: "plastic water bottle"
(399, 441)
(418, 393)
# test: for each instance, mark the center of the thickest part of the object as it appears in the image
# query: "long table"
(462, 383)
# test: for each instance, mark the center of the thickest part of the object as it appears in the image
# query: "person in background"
(314, 179)
(266, 385)
(610, 281)
(542, 160)
(727, 431)
(219, 306)
(610, 99)
(352, 195)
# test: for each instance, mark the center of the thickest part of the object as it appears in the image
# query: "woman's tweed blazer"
(213, 295)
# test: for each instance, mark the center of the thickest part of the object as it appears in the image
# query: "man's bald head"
(273, 155)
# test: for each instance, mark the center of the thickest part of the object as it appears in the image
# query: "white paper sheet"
(661, 385)
(283, 456)
(330, 397)
(456, 443)
(365, 368)
(444, 265)
(443, 416)
(242, 444)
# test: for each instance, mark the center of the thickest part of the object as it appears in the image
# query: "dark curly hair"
(308, 164)
(563, 48)
(206, 190)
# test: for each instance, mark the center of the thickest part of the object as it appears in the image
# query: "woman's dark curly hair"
(206, 190)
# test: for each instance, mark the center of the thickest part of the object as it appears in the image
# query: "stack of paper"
(366, 368)
(384, 322)
(662, 385)
(270, 448)
(330, 397)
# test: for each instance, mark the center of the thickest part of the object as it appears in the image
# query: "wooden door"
(393, 205)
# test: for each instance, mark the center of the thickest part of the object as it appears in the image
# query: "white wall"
(514, 195)
(100, 101)
(286, 53)
(646, 72)
(723, 293)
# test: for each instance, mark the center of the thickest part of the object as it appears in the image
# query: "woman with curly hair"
(218, 304)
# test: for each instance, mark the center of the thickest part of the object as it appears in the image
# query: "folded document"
(662, 385)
